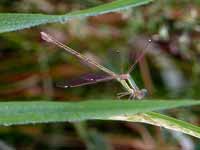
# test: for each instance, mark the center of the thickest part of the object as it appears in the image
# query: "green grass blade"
(18, 21)
(12, 113)
(175, 124)
(162, 121)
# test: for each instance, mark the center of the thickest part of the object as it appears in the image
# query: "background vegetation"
(30, 68)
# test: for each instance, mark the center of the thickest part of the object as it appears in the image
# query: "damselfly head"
(141, 94)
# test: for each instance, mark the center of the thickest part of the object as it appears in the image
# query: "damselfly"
(126, 80)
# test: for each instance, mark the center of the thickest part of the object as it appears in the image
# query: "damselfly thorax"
(132, 89)
(125, 80)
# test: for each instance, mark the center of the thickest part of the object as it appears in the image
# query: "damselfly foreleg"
(122, 94)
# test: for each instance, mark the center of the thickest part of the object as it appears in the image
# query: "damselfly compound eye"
(143, 93)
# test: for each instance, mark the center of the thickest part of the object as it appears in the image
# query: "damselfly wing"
(86, 79)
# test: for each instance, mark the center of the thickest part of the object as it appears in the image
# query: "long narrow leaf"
(18, 21)
(162, 121)
(12, 113)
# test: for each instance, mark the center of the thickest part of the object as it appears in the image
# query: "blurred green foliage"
(30, 68)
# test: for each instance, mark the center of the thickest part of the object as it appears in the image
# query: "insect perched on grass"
(126, 81)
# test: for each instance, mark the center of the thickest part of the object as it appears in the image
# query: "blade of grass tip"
(161, 120)
(18, 21)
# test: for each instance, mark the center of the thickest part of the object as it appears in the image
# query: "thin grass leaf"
(18, 21)
(12, 113)
(162, 121)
